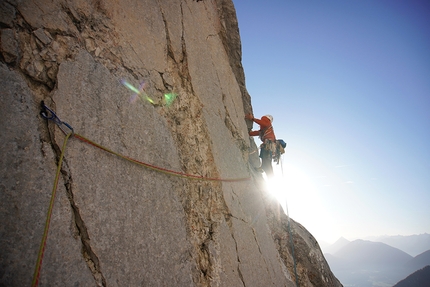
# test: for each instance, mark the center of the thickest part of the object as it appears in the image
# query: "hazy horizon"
(373, 237)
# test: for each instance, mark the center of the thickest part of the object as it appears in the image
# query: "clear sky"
(348, 85)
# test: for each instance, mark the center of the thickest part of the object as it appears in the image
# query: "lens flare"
(169, 98)
(137, 91)
(130, 86)
(141, 88)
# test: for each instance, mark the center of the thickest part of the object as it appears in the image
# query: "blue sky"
(348, 84)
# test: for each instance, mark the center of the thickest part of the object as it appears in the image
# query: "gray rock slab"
(27, 171)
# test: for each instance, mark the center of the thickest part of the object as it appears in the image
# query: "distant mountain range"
(333, 248)
(364, 263)
(412, 244)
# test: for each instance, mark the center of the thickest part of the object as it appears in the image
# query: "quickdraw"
(49, 114)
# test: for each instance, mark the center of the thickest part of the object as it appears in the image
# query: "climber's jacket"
(271, 147)
(266, 130)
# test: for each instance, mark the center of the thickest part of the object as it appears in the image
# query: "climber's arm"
(254, 133)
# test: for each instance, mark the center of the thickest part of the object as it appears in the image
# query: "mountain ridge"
(375, 261)
(419, 278)
(332, 248)
(412, 244)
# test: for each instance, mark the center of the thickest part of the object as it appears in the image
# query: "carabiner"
(49, 114)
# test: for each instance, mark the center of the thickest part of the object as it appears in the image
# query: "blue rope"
(290, 233)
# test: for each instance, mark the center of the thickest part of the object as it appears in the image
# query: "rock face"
(115, 222)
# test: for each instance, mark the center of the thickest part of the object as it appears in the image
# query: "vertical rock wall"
(114, 222)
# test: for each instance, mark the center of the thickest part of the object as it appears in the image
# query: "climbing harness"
(49, 114)
(265, 132)
(275, 149)
(291, 234)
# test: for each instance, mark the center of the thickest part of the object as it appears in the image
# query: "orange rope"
(38, 267)
(156, 168)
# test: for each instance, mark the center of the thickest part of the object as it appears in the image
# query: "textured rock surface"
(115, 223)
(308, 261)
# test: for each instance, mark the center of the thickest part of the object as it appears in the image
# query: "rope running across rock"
(49, 114)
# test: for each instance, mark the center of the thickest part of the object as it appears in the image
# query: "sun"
(276, 188)
(300, 198)
(290, 185)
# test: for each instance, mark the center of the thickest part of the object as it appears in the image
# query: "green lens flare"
(169, 98)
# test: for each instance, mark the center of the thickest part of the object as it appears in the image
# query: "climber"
(267, 136)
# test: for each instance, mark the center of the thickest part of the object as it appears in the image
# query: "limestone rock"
(9, 46)
(7, 14)
(43, 36)
(27, 168)
(298, 249)
(144, 194)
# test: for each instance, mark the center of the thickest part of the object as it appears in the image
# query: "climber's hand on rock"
(249, 117)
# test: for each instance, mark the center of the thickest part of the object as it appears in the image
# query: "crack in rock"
(87, 252)
(259, 249)
(230, 226)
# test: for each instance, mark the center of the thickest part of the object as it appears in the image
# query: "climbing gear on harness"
(269, 146)
(49, 114)
(279, 150)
